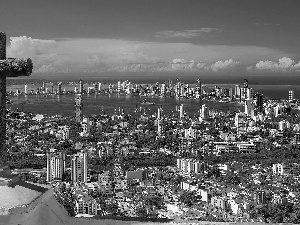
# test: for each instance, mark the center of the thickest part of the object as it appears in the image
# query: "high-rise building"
(237, 91)
(245, 83)
(119, 87)
(43, 87)
(259, 102)
(163, 89)
(198, 89)
(78, 108)
(159, 113)
(181, 112)
(249, 107)
(86, 125)
(59, 91)
(159, 121)
(230, 94)
(240, 123)
(249, 93)
(99, 87)
(96, 87)
(55, 166)
(204, 113)
(79, 168)
(80, 87)
(110, 86)
(291, 95)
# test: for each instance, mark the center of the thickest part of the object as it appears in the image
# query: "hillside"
(45, 210)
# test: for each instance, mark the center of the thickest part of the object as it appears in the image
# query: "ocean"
(94, 104)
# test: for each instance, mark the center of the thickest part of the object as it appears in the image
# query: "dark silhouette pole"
(8, 68)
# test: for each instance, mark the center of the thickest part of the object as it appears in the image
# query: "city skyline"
(204, 37)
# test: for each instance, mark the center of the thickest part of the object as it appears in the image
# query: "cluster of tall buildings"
(190, 166)
(56, 166)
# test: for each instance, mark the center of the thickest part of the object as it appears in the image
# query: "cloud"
(40, 51)
(21, 46)
(46, 69)
(284, 64)
(184, 33)
(92, 55)
(179, 65)
(267, 24)
(188, 66)
(224, 65)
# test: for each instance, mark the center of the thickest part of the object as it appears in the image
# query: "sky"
(159, 36)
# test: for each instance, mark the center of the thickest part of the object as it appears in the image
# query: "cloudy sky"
(203, 36)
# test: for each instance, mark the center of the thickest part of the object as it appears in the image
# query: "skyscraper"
(237, 91)
(159, 122)
(43, 87)
(59, 91)
(119, 87)
(26, 89)
(159, 113)
(259, 100)
(99, 87)
(78, 108)
(291, 95)
(80, 87)
(245, 83)
(163, 89)
(204, 113)
(181, 115)
(249, 107)
(240, 123)
(198, 89)
(55, 166)
(96, 87)
(79, 168)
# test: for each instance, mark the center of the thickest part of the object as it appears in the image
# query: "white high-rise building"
(163, 89)
(249, 93)
(55, 166)
(291, 95)
(181, 112)
(159, 113)
(99, 86)
(26, 89)
(79, 168)
(204, 113)
(249, 107)
(80, 87)
(119, 86)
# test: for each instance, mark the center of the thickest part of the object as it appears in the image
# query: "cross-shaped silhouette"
(9, 67)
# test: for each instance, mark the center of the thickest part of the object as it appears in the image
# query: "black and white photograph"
(149, 112)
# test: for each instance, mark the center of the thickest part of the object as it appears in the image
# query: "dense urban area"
(213, 166)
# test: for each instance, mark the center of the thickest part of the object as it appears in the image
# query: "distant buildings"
(79, 168)
(285, 169)
(190, 166)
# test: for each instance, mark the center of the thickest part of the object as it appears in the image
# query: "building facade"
(79, 168)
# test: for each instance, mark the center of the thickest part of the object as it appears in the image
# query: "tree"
(189, 198)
